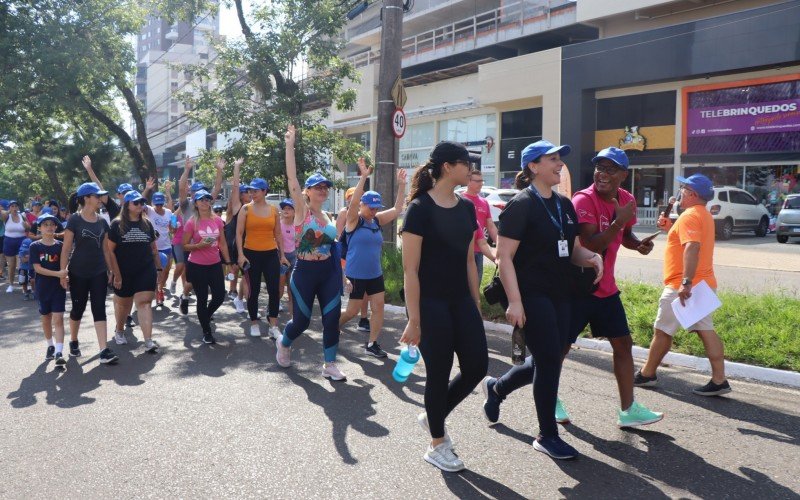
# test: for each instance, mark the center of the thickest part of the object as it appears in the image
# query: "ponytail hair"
(525, 176)
(423, 180)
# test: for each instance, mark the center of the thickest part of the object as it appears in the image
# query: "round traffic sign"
(399, 123)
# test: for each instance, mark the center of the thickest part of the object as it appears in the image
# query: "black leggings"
(267, 264)
(202, 278)
(546, 335)
(448, 328)
(80, 289)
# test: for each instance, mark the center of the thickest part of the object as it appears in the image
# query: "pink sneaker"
(284, 354)
(331, 371)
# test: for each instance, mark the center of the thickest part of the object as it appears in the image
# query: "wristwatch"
(686, 281)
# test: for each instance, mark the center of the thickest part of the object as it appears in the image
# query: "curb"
(740, 370)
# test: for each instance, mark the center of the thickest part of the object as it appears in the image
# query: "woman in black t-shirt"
(134, 264)
(536, 251)
(441, 290)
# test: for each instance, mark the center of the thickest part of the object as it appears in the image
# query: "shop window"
(519, 128)
(477, 133)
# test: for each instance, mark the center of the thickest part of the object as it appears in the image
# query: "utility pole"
(387, 149)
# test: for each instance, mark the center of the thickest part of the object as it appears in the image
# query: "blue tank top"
(364, 247)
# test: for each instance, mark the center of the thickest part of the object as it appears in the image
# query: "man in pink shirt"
(484, 215)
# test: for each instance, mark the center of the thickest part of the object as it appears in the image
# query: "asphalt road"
(225, 421)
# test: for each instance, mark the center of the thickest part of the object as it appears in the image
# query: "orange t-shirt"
(694, 224)
(260, 231)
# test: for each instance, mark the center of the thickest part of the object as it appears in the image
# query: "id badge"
(563, 248)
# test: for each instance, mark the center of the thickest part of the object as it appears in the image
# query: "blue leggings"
(321, 279)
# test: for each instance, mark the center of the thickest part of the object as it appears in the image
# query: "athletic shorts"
(51, 300)
(292, 258)
(666, 320)
(178, 254)
(369, 287)
(167, 252)
(11, 246)
(24, 276)
(144, 281)
(605, 316)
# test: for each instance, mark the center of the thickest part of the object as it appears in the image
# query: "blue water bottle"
(173, 221)
(409, 357)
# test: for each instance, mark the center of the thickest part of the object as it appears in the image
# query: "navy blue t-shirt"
(49, 257)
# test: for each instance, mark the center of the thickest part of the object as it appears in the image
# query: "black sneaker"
(51, 350)
(640, 380)
(375, 350)
(363, 325)
(492, 400)
(107, 356)
(129, 322)
(60, 361)
(184, 305)
(555, 447)
(74, 349)
(712, 389)
(208, 338)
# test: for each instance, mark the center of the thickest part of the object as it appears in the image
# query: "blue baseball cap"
(4, 204)
(13, 202)
(46, 210)
(616, 155)
(372, 199)
(36, 202)
(88, 188)
(48, 216)
(317, 179)
(197, 186)
(287, 202)
(243, 188)
(132, 195)
(202, 194)
(700, 184)
(259, 183)
(532, 152)
(124, 188)
(159, 198)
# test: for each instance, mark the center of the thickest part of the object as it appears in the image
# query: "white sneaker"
(331, 371)
(255, 331)
(239, 305)
(151, 346)
(422, 419)
(274, 332)
(283, 355)
(119, 338)
(281, 308)
(10, 289)
(444, 458)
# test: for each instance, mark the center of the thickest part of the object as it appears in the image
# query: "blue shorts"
(167, 252)
(605, 316)
(292, 258)
(51, 300)
(11, 246)
(177, 254)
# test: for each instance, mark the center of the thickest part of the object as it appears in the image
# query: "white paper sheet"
(702, 303)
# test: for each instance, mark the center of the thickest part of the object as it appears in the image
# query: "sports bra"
(314, 238)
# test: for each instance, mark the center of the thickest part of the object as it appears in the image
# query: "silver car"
(788, 223)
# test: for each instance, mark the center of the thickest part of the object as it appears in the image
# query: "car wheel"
(763, 228)
(782, 238)
(726, 231)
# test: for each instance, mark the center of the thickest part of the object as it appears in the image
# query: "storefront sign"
(632, 139)
(740, 119)
(410, 159)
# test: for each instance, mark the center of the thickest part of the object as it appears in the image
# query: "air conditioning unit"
(173, 33)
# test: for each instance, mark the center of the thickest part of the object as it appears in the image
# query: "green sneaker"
(562, 417)
(637, 415)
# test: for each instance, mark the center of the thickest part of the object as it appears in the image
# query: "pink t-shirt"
(287, 231)
(200, 229)
(592, 209)
(482, 214)
(177, 237)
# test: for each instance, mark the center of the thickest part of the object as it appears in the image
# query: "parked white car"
(788, 223)
(496, 197)
(734, 209)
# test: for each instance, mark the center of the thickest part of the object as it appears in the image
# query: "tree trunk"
(58, 189)
(149, 169)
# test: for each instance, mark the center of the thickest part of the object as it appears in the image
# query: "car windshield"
(793, 203)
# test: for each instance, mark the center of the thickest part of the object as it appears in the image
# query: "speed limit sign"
(399, 123)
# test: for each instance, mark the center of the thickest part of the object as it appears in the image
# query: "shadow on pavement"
(597, 480)
(680, 468)
(469, 484)
(349, 405)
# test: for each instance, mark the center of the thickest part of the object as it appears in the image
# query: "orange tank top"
(260, 231)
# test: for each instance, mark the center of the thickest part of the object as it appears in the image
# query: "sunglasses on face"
(218, 210)
(137, 202)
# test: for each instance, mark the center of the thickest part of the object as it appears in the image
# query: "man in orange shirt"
(688, 260)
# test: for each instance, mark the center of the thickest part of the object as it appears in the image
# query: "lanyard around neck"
(558, 223)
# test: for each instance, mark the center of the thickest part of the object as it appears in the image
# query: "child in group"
(25, 274)
(45, 255)
(289, 246)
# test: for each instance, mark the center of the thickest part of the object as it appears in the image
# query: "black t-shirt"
(49, 257)
(446, 236)
(540, 271)
(134, 251)
(112, 208)
(87, 258)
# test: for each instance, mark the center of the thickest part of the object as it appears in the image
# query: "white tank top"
(15, 229)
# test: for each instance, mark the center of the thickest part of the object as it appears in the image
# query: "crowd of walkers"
(129, 243)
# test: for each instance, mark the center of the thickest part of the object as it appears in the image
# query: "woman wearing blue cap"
(317, 273)
(441, 289)
(135, 263)
(86, 254)
(362, 230)
(240, 195)
(261, 254)
(536, 251)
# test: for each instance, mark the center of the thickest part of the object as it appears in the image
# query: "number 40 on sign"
(399, 123)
